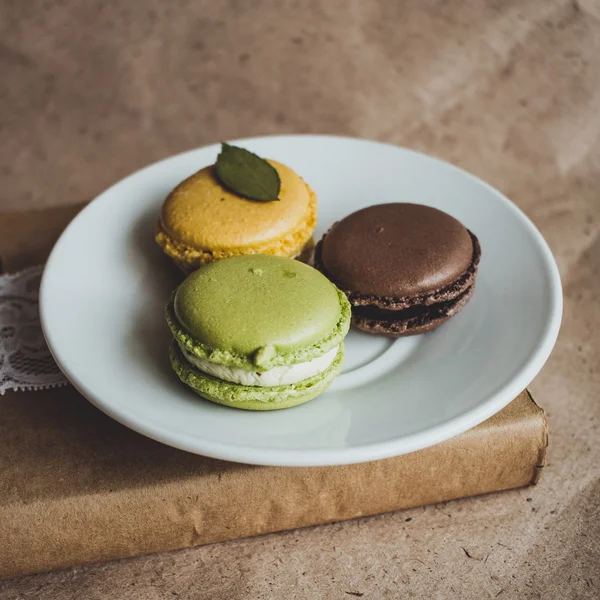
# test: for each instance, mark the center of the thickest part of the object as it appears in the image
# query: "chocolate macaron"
(406, 268)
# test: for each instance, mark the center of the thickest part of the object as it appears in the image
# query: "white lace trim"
(25, 361)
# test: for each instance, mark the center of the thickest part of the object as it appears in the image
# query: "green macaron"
(257, 332)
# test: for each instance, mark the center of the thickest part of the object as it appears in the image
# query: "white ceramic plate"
(106, 283)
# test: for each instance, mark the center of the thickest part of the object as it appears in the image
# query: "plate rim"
(335, 456)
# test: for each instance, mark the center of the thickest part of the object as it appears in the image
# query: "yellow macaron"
(202, 221)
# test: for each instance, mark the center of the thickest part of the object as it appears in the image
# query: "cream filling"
(284, 375)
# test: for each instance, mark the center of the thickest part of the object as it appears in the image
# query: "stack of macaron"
(203, 220)
(255, 329)
(406, 268)
(258, 332)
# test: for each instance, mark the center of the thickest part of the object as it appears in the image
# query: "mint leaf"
(247, 175)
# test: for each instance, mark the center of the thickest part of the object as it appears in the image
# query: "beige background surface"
(509, 90)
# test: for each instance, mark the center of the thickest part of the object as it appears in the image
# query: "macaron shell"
(430, 319)
(202, 221)
(257, 304)
(453, 290)
(263, 361)
(250, 397)
(396, 250)
(295, 244)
